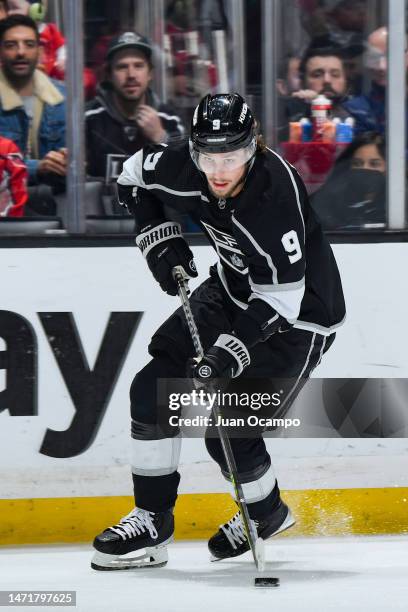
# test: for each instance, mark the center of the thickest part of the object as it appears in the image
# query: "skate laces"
(234, 531)
(135, 523)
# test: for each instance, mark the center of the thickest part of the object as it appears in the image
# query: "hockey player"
(275, 273)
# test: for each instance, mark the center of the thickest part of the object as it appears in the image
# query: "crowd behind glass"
(333, 60)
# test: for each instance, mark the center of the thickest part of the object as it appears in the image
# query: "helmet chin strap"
(249, 165)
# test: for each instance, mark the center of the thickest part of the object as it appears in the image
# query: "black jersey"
(269, 244)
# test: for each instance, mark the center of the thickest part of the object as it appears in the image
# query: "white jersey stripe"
(291, 392)
(321, 350)
(314, 327)
(187, 194)
(95, 111)
(223, 280)
(258, 248)
(287, 303)
(279, 287)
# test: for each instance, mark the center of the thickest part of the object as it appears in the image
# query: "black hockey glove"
(227, 358)
(164, 248)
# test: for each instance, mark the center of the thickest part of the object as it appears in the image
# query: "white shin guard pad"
(155, 457)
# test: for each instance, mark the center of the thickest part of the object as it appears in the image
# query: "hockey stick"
(256, 544)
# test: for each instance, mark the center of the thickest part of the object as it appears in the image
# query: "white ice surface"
(367, 574)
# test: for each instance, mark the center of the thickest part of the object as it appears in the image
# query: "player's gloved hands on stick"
(164, 248)
(227, 358)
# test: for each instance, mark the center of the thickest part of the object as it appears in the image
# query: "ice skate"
(138, 540)
(231, 541)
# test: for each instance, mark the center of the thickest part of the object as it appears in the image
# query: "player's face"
(224, 172)
(326, 76)
(130, 74)
(19, 52)
(368, 157)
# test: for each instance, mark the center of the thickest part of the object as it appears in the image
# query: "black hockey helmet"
(222, 123)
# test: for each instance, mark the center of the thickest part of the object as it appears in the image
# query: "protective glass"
(374, 58)
(212, 162)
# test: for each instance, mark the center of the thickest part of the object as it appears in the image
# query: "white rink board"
(92, 282)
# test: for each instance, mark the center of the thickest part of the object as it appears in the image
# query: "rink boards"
(74, 328)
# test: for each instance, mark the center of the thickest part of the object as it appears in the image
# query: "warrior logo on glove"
(157, 234)
(164, 248)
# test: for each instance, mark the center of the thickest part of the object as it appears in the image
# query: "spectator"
(341, 20)
(32, 106)
(288, 80)
(3, 9)
(351, 53)
(321, 72)
(19, 7)
(369, 110)
(13, 180)
(353, 64)
(53, 51)
(354, 194)
(126, 115)
(287, 83)
(99, 44)
(52, 43)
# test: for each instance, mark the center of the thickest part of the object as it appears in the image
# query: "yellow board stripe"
(318, 512)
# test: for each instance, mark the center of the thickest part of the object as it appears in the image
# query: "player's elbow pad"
(258, 323)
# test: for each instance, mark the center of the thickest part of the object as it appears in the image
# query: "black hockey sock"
(261, 509)
(156, 493)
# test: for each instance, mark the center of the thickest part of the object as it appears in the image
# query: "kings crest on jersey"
(261, 236)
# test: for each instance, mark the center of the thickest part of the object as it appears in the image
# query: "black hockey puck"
(264, 581)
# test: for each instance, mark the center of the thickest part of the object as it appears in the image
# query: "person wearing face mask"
(322, 73)
(354, 195)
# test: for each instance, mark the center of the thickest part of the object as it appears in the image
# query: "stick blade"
(260, 554)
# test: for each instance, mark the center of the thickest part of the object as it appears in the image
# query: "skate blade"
(156, 556)
(259, 555)
(287, 524)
